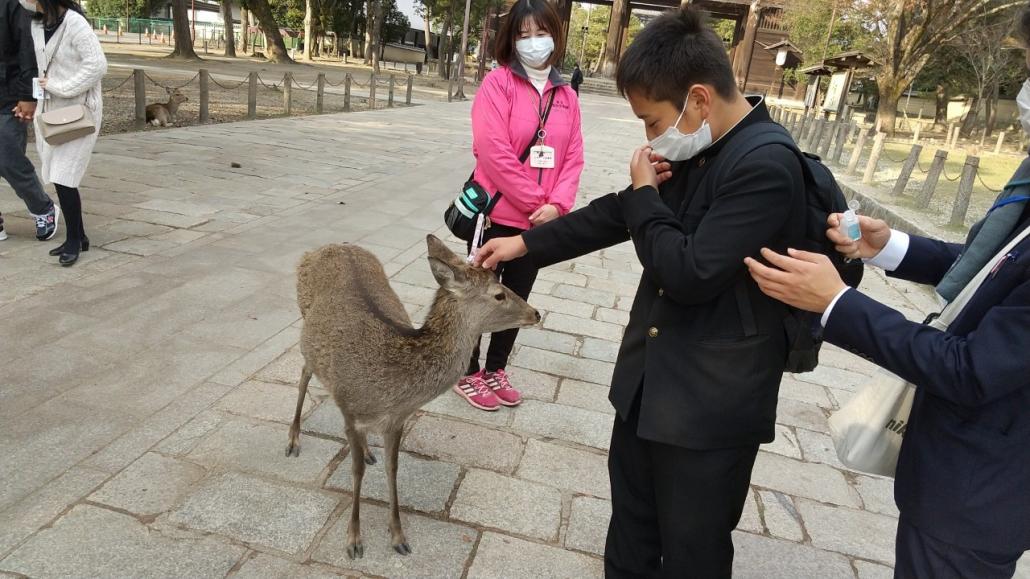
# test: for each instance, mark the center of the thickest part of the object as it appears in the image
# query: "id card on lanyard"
(540, 155)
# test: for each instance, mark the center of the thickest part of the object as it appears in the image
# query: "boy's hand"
(641, 170)
(544, 214)
(807, 281)
(500, 249)
(662, 167)
(875, 234)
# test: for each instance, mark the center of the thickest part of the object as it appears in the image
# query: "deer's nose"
(537, 314)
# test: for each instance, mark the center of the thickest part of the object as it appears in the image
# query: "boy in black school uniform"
(698, 373)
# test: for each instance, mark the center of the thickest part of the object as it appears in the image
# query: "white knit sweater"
(77, 65)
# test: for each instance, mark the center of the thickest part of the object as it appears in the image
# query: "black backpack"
(824, 197)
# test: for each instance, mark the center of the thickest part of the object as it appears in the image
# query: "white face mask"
(675, 146)
(1023, 104)
(534, 51)
(30, 6)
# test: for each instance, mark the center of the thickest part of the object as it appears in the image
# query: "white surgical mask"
(534, 51)
(30, 6)
(675, 146)
(1023, 104)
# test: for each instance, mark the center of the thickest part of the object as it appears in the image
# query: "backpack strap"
(745, 142)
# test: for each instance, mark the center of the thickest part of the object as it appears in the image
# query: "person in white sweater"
(71, 65)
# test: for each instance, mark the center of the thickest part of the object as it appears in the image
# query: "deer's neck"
(445, 342)
(172, 106)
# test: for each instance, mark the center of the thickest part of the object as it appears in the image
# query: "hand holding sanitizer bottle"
(849, 222)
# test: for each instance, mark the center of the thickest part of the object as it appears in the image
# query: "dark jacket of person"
(702, 383)
(17, 56)
(577, 77)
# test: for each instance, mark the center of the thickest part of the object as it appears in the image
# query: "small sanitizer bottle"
(849, 222)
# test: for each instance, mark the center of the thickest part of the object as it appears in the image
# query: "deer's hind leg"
(357, 442)
(393, 443)
(293, 446)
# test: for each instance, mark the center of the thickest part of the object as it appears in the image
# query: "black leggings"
(518, 275)
(71, 206)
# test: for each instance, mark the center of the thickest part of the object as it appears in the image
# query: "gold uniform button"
(661, 292)
(701, 162)
(653, 332)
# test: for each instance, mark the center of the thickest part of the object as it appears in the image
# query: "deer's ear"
(451, 277)
(439, 250)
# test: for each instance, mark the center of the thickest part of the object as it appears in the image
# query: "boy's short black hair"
(672, 53)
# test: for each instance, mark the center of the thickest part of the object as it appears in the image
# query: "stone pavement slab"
(500, 502)
(151, 485)
(95, 542)
(423, 485)
(500, 557)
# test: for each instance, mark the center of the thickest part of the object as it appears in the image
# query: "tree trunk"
(245, 29)
(229, 29)
(276, 51)
(464, 48)
(972, 116)
(369, 27)
(445, 44)
(992, 108)
(429, 35)
(308, 27)
(940, 116)
(183, 38)
(377, 34)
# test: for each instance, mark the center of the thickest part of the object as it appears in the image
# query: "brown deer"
(360, 343)
(163, 114)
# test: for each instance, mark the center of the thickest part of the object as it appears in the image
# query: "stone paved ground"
(146, 392)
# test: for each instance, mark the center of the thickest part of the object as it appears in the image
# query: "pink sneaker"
(500, 384)
(474, 389)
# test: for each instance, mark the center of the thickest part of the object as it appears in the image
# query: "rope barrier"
(921, 169)
(302, 87)
(944, 171)
(892, 159)
(275, 86)
(330, 83)
(223, 87)
(120, 85)
(986, 186)
(176, 87)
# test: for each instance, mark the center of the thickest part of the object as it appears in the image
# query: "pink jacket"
(504, 121)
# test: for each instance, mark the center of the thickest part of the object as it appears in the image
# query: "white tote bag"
(867, 431)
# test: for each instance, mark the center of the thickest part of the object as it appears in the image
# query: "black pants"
(518, 275)
(71, 206)
(673, 508)
(921, 556)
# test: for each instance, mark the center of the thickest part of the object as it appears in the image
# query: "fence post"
(320, 94)
(831, 130)
(288, 93)
(934, 175)
(205, 96)
(407, 96)
(951, 131)
(915, 134)
(965, 191)
(983, 138)
(812, 143)
(1001, 139)
(800, 136)
(856, 153)
(252, 96)
(346, 93)
(389, 100)
(139, 84)
(372, 92)
(843, 132)
(906, 170)
(874, 158)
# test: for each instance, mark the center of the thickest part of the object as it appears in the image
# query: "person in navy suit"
(963, 476)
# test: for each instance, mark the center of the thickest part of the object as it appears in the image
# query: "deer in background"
(163, 114)
(360, 343)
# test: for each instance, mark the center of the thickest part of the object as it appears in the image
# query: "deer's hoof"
(355, 551)
(370, 459)
(293, 449)
(402, 548)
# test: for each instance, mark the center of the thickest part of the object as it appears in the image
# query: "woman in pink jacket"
(524, 103)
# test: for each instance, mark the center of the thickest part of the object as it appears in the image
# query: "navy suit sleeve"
(985, 365)
(927, 260)
(596, 226)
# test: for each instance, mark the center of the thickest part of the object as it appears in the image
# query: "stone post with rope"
(932, 177)
(965, 191)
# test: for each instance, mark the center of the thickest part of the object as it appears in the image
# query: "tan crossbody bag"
(65, 124)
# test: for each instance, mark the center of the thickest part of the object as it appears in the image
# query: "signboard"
(837, 91)
(813, 89)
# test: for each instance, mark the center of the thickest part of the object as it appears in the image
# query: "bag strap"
(955, 306)
(57, 46)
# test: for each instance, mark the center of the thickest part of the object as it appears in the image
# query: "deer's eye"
(500, 297)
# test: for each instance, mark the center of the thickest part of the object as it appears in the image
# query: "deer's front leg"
(393, 443)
